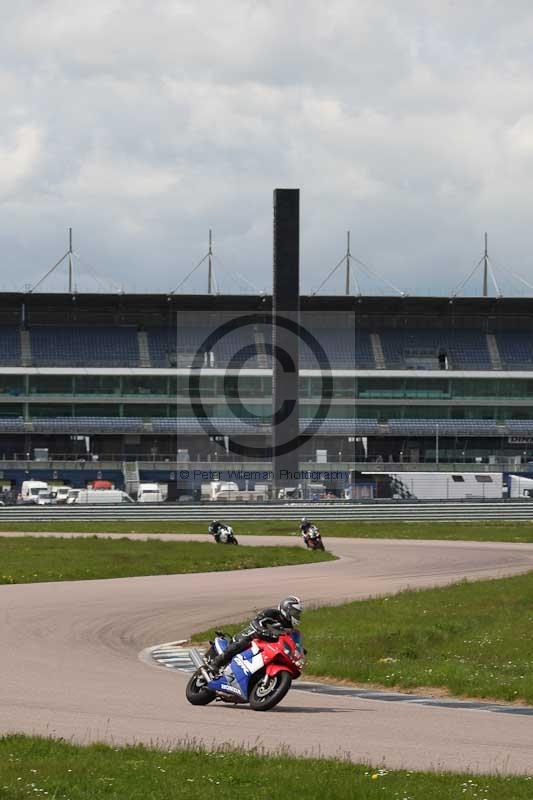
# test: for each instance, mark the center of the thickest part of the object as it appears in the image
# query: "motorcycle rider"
(305, 527)
(215, 529)
(269, 624)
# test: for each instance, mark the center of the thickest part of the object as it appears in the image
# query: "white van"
(61, 493)
(149, 493)
(31, 489)
(100, 497)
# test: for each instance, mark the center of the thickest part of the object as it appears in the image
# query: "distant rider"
(269, 624)
(305, 527)
(216, 528)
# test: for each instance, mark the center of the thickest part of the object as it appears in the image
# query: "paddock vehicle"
(99, 496)
(260, 676)
(31, 489)
(61, 493)
(45, 498)
(225, 536)
(313, 539)
(150, 493)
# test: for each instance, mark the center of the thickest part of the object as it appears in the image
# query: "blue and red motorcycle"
(261, 675)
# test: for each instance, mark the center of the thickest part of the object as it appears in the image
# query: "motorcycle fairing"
(236, 677)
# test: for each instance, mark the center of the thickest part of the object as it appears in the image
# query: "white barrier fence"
(364, 512)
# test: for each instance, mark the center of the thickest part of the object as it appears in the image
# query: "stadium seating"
(339, 346)
(84, 346)
(166, 345)
(465, 349)
(12, 425)
(445, 427)
(84, 425)
(169, 347)
(519, 426)
(9, 346)
(516, 349)
(231, 426)
(345, 348)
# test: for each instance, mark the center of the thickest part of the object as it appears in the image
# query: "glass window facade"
(12, 385)
(51, 384)
(145, 385)
(11, 410)
(97, 384)
(375, 398)
(50, 410)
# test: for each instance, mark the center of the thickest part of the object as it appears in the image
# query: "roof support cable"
(45, 276)
(463, 283)
(329, 275)
(377, 276)
(521, 280)
(186, 278)
(97, 278)
(493, 276)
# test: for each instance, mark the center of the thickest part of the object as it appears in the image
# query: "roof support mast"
(210, 265)
(348, 257)
(485, 268)
(70, 260)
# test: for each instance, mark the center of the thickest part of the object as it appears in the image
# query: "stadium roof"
(155, 308)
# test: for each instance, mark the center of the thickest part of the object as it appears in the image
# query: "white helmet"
(291, 610)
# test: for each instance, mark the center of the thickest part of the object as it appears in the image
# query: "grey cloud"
(144, 124)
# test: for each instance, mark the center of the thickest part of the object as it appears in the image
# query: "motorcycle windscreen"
(221, 644)
(296, 636)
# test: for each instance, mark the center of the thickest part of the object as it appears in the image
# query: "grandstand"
(97, 380)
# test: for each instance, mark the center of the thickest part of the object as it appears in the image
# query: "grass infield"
(470, 639)
(34, 767)
(466, 531)
(35, 559)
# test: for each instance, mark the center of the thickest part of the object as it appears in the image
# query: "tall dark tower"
(286, 316)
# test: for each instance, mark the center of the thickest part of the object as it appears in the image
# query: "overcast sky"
(143, 124)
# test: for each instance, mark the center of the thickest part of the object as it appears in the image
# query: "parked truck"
(438, 485)
(520, 486)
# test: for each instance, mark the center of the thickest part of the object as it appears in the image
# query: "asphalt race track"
(70, 663)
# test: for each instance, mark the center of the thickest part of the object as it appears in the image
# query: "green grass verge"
(35, 559)
(35, 767)
(471, 639)
(469, 531)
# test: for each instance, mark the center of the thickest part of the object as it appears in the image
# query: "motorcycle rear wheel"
(198, 695)
(269, 691)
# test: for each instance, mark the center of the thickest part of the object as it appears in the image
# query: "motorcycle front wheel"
(269, 691)
(197, 693)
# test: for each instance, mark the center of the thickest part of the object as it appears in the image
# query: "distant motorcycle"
(260, 676)
(313, 539)
(225, 536)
